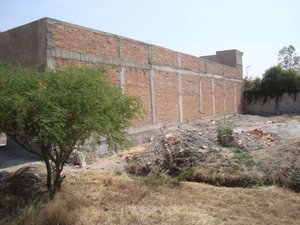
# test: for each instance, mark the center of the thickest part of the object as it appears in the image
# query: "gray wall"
(286, 105)
(231, 58)
(25, 44)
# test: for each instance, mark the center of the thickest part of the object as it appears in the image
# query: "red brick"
(191, 97)
(189, 61)
(77, 39)
(113, 71)
(167, 99)
(135, 51)
(219, 96)
(229, 71)
(137, 83)
(207, 97)
(201, 64)
(163, 56)
(229, 97)
(214, 68)
(239, 96)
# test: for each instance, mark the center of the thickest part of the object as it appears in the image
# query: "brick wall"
(191, 97)
(174, 87)
(167, 101)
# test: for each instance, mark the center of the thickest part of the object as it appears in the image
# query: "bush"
(157, 178)
(275, 82)
(224, 128)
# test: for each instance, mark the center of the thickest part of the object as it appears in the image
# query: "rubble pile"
(253, 139)
(175, 150)
(178, 149)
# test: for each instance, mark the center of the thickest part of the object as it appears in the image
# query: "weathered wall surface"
(174, 87)
(25, 44)
(286, 105)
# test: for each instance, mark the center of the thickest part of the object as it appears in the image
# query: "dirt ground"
(106, 192)
(277, 144)
(262, 150)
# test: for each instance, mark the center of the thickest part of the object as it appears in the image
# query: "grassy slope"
(92, 197)
(106, 199)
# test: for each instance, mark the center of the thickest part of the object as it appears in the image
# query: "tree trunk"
(57, 179)
(49, 178)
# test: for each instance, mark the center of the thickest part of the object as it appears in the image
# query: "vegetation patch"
(275, 82)
(157, 178)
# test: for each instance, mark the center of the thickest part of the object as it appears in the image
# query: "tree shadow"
(13, 155)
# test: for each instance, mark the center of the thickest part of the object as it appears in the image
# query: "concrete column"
(122, 79)
(178, 59)
(224, 96)
(50, 45)
(121, 48)
(153, 96)
(200, 96)
(122, 72)
(213, 95)
(150, 54)
(235, 98)
(180, 98)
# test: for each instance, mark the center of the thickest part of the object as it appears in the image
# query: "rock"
(77, 158)
(3, 175)
(32, 176)
(204, 146)
(3, 139)
(227, 141)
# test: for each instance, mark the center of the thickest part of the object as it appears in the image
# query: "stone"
(204, 146)
(77, 158)
(34, 177)
(3, 139)
(227, 141)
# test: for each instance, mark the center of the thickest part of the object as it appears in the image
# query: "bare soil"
(263, 150)
(105, 193)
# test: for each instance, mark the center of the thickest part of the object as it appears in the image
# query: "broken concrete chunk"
(77, 158)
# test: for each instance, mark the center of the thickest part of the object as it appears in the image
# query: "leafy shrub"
(157, 178)
(50, 113)
(275, 82)
(224, 128)
(134, 167)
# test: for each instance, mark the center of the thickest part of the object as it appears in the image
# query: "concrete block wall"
(286, 105)
(175, 87)
(25, 44)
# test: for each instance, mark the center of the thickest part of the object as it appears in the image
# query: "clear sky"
(259, 28)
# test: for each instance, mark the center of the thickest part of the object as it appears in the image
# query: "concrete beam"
(99, 59)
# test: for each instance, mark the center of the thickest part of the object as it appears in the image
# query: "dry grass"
(119, 200)
(131, 151)
(60, 210)
(296, 117)
(92, 198)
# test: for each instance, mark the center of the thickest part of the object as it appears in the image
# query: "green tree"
(50, 113)
(275, 82)
(288, 59)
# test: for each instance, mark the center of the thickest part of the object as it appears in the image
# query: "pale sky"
(259, 28)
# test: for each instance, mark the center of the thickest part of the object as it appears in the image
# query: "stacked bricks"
(174, 87)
